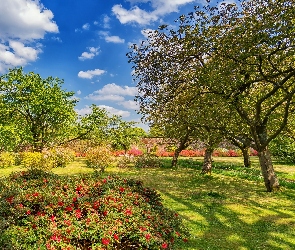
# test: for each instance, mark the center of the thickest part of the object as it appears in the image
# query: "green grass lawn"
(227, 210)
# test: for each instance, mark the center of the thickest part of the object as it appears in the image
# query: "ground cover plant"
(42, 210)
(227, 210)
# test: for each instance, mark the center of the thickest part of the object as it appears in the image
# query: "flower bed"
(40, 210)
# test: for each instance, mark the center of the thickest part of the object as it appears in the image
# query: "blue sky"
(85, 43)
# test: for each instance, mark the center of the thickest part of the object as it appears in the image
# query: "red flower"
(55, 238)
(74, 199)
(9, 199)
(78, 213)
(147, 236)
(116, 237)
(128, 212)
(96, 205)
(34, 226)
(122, 189)
(185, 240)
(79, 188)
(104, 180)
(28, 212)
(35, 194)
(52, 218)
(105, 213)
(178, 234)
(105, 241)
(60, 203)
(69, 208)
(164, 245)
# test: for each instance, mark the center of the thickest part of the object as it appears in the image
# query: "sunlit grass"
(227, 210)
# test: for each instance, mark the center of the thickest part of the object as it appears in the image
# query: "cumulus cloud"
(89, 74)
(114, 111)
(84, 111)
(106, 22)
(86, 26)
(87, 110)
(95, 97)
(133, 105)
(22, 22)
(137, 15)
(79, 92)
(114, 89)
(111, 39)
(92, 52)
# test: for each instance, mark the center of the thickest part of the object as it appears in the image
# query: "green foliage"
(147, 161)
(7, 159)
(33, 160)
(99, 158)
(39, 111)
(40, 210)
(283, 149)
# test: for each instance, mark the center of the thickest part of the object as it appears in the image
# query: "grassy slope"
(227, 210)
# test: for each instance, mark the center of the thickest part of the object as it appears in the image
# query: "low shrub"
(34, 160)
(147, 161)
(99, 158)
(7, 159)
(40, 210)
(59, 157)
(134, 152)
(126, 161)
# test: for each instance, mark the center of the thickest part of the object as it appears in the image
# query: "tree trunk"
(270, 179)
(247, 161)
(207, 165)
(175, 157)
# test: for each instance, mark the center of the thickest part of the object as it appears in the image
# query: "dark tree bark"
(207, 165)
(270, 179)
(182, 145)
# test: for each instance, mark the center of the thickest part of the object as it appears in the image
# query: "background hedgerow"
(147, 161)
(40, 210)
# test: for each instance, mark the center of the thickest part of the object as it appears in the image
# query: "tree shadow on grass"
(228, 225)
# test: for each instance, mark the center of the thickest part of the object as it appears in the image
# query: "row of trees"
(37, 113)
(227, 71)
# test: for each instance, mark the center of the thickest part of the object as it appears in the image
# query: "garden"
(145, 206)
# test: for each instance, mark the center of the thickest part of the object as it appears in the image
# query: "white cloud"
(79, 92)
(129, 104)
(114, 111)
(21, 23)
(86, 26)
(137, 15)
(89, 74)
(111, 39)
(87, 110)
(84, 111)
(114, 89)
(106, 22)
(89, 55)
(95, 97)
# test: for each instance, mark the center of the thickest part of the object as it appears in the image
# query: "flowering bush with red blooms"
(40, 210)
(134, 152)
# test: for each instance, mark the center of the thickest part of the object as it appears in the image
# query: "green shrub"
(147, 161)
(33, 160)
(99, 158)
(40, 210)
(59, 157)
(7, 159)
(126, 161)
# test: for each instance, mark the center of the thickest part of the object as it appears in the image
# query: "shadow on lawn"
(248, 225)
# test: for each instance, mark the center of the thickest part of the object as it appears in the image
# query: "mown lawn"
(227, 210)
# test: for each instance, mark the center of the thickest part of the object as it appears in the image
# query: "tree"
(254, 79)
(123, 134)
(40, 111)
